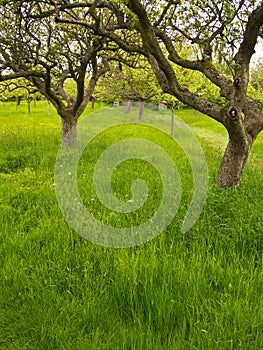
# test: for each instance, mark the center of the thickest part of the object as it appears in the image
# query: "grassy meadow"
(200, 290)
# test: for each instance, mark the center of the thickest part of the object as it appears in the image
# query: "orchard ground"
(199, 290)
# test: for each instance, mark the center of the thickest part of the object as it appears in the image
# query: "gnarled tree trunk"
(233, 164)
(235, 156)
(69, 131)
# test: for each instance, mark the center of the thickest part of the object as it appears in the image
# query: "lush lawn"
(199, 290)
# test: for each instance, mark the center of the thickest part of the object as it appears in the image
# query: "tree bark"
(48, 108)
(172, 124)
(128, 106)
(28, 105)
(140, 110)
(233, 163)
(92, 102)
(18, 100)
(69, 132)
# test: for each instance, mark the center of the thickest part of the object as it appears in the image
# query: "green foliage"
(70, 87)
(256, 84)
(195, 81)
(256, 93)
(50, 55)
(21, 88)
(124, 82)
(256, 77)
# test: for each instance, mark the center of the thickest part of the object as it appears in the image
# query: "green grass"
(213, 132)
(200, 290)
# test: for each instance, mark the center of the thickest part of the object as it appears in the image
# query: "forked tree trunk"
(140, 110)
(233, 163)
(69, 132)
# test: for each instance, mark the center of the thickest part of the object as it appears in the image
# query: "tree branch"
(164, 71)
(247, 47)
(22, 74)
